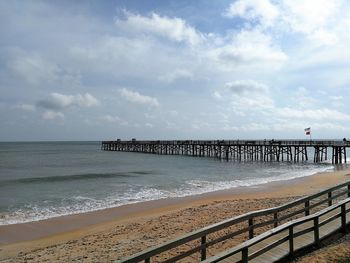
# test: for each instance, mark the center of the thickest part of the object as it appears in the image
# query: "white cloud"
(300, 125)
(309, 16)
(149, 116)
(61, 101)
(252, 104)
(228, 127)
(313, 114)
(248, 48)
(125, 123)
(254, 10)
(149, 125)
(247, 127)
(336, 98)
(175, 75)
(246, 87)
(25, 107)
(323, 37)
(313, 18)
(217, 95)
(246, 96)
(175, 29)
(40, 71)
(120, 56)
(52, 115)
(86, 100)
(34, 69)
(255, 127)
(303, 99)
(170, 125)
(331, 126)
(284, 44)
(135, 97)
(151, 58)
(337, 101)
(110, 118)
(117, 120)
(173, 113)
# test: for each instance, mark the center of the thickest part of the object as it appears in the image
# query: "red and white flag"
(307, 131)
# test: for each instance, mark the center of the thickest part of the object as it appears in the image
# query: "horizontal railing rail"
(277, 213)
(328, 143)
(291, 234)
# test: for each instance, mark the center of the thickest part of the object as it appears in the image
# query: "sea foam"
(82, 204)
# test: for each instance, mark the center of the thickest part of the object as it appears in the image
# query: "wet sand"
(106, 235)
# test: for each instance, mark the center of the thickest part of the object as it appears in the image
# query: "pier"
(241, 150)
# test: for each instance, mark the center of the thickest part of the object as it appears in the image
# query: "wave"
(207, 186)
(81, 204)
(73, 177)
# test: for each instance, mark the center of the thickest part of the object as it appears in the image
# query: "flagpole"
(308, 132)
(310, 135)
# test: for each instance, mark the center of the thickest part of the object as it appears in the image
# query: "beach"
(127, 125)
(110, 234)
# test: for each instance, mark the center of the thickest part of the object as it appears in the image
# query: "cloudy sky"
(174, 69)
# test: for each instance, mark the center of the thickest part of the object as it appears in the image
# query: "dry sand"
(336, 252)
(107, 235)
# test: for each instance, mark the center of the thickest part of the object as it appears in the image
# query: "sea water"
(41, 180)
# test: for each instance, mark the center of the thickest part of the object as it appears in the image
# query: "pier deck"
(287, 239)
(242, 150)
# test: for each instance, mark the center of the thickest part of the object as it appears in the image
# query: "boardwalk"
(271, 234)
(287, 239)
(253, 150)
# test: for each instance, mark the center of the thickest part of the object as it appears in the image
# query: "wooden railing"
(328, 143)
(255, 220)
(291, 234)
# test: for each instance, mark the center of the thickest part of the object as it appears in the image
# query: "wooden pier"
(242, 150)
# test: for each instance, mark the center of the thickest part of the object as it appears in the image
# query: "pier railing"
(328, 143)
(201, 241)
(325, 218)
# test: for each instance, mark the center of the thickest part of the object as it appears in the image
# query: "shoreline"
(244, 186)
(238, 185)
(23, 237)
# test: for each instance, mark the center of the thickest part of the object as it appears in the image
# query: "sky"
(174, 69)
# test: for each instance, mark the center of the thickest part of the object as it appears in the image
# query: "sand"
(337, 251)
(110, 234)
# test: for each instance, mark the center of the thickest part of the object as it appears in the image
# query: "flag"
(307, 131)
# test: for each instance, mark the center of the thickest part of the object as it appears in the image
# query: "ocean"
(40, 180)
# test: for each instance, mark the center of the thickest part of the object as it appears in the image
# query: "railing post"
(251, 229)
(343, 218)
(316, 231)
(307, 209)
(245, 255)
(275, 218)
(329, 198)
(204, 249)
(291, 241)
(348, 190)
